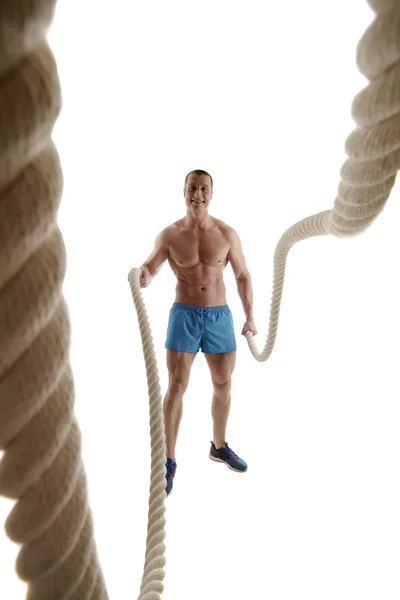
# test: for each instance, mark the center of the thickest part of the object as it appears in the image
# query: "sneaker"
(227, 456)
(171, 468)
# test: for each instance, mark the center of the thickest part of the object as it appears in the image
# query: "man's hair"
(199, 172)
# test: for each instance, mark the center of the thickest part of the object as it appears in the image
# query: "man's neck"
(203, 221)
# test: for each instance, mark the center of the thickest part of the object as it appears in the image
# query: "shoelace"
(230, 453)
(170, 470)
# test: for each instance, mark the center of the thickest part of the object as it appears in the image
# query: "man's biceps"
(237, 257)
(162, 255)
(236, 268)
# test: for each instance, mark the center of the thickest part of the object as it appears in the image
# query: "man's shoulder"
(177, 224)
(225, 229)
(171, 229)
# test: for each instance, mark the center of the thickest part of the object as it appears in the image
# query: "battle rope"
(154, 573)
(42, 466)
(369, 173)
(367, 180)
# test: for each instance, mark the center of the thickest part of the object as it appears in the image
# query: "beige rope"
(42, 466)
(369, 173)
(153, 575)
(367, 180)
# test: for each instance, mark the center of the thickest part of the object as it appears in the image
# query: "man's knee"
(222, 385)
(177, 387)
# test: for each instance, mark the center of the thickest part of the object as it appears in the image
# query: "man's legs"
(221, 368)
(179, 365)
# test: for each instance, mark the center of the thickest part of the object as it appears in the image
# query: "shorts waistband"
(210, 309)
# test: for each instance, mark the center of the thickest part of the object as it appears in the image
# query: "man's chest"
(189, 248)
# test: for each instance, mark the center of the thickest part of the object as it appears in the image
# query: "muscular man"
(198, 248)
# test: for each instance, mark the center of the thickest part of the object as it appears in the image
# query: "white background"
(261, 99)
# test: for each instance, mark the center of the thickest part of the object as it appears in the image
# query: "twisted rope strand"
(153, 574)
(42, 466)
(368, 175)
(367, 180)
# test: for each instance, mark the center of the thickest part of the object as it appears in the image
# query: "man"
(198, 248)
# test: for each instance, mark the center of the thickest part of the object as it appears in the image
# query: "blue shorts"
(193, 328)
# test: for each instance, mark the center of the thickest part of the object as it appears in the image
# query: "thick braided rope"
(153, 575)
(367, 179)
(42, 467)
(373, 148)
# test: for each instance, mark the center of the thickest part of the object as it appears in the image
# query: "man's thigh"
(179, 365)
(221, 366)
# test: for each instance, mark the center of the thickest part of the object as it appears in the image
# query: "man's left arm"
(243, 280)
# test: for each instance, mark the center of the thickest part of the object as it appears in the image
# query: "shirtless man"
(198, 248)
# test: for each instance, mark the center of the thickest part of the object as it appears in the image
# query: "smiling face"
(198, 193)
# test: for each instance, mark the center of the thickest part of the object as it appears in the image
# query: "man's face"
(198, 193)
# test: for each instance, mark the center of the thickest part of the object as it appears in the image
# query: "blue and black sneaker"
(171, 468)
(226, 455)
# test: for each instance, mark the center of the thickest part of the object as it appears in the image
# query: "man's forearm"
(245, 290)
(145, 265)
(151, 269)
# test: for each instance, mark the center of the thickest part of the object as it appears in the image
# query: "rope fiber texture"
(42, 467)
(373, 149)
(153, 575)
(367, 178)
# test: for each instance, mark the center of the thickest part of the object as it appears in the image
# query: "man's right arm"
(150, 268)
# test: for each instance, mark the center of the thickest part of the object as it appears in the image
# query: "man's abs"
(202, 291)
